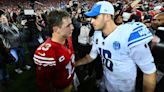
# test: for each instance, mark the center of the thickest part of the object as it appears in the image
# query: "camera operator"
(12, 34)
(33, 31)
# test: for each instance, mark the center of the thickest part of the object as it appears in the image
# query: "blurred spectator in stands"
(126, 17)
(118, 19)
(147, 21)
(158, 25)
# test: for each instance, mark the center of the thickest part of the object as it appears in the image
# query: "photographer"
(12, 34)
(33, 31)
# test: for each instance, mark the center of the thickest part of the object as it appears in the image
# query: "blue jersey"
(120, 52)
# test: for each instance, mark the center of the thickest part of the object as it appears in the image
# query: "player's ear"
(107, 17)
(55, 28)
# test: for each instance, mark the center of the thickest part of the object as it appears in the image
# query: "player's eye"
(95, 17)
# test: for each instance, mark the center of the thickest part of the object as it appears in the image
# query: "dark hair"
(147, 18)
(1, 12)
(55, 18)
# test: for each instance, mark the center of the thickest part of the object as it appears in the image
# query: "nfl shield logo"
(116, 45)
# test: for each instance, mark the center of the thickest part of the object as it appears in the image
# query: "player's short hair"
(55, 18)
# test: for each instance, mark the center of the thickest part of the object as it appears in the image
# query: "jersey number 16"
(106, 58)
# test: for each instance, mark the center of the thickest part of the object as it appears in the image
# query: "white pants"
(119, 85)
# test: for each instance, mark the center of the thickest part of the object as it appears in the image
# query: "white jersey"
(121, 52)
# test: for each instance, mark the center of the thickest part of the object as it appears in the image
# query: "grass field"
(24, 82)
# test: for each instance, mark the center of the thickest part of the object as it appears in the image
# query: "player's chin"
(97, 29)
(70, 34)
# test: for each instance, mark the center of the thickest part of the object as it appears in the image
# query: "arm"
(145, 62)
(142, 57)
(149, 82)
(85, 60)
(89, 57)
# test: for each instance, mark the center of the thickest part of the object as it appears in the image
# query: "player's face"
(98, 22)
(66, 28)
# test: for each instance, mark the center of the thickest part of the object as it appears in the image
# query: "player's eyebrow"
(94, 17)
(68, 25)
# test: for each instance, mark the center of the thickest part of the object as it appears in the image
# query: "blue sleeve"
(139, 34)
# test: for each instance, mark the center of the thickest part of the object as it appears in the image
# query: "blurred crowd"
(23, 27)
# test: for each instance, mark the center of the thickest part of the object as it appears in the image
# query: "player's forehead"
(98, 16)
(66, 21)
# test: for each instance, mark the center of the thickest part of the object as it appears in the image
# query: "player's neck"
(109, 28)
(58, 40)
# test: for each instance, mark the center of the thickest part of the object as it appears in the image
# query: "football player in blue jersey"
(122, 48)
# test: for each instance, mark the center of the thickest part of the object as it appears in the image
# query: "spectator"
(4, 56)
(157, 24)
(118, 19)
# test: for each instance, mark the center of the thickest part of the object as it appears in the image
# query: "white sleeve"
(142, 56)
(93, 53)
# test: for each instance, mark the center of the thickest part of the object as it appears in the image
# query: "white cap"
(101, 7)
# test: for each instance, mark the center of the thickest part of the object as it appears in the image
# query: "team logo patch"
(116, 45)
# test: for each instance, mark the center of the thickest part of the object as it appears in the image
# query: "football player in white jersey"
(122, 48)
